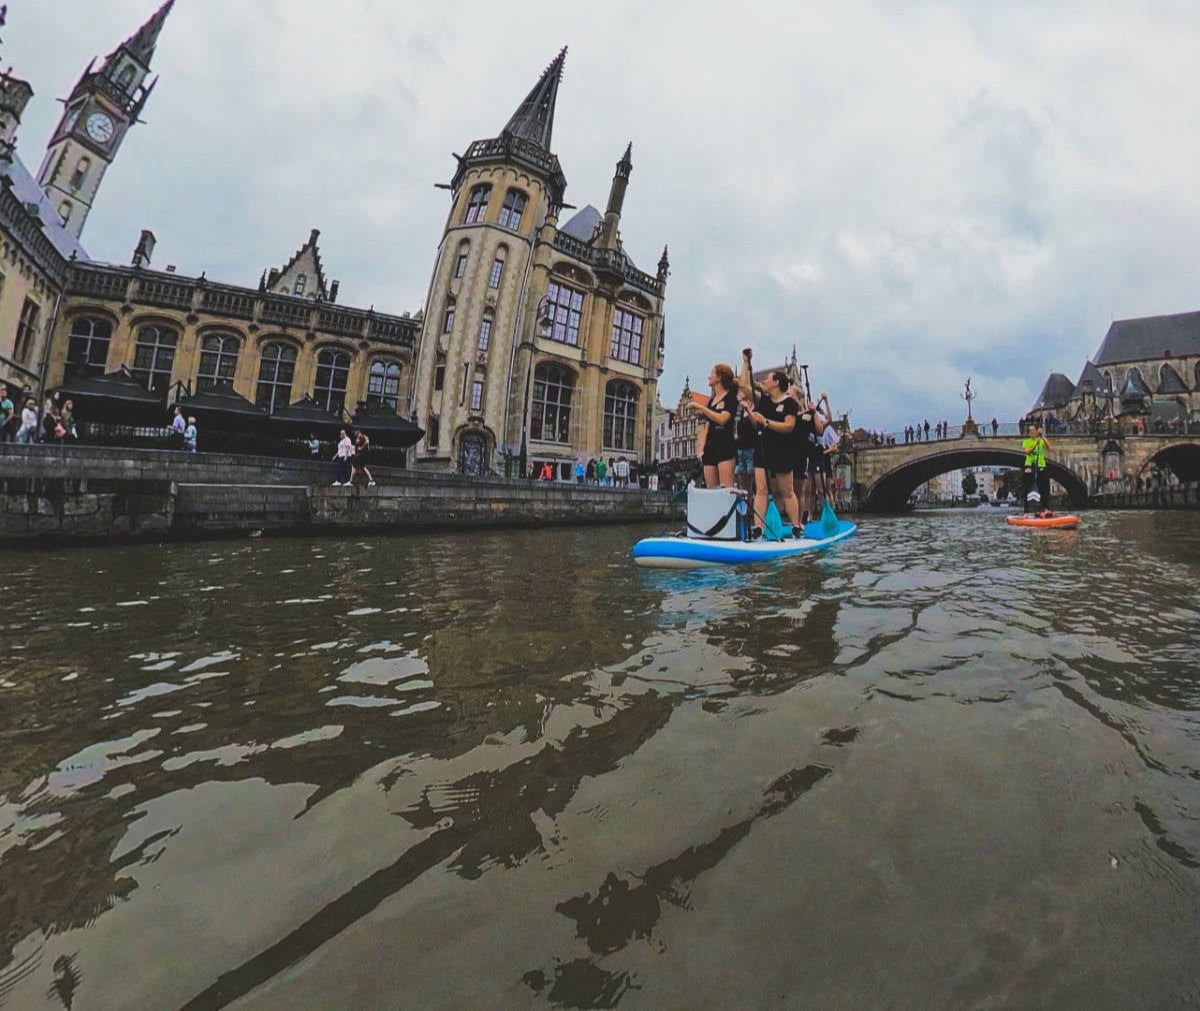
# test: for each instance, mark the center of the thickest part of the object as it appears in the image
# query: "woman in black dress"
(720, 409)
(358, 463)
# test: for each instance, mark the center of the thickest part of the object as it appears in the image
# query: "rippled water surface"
(950, 764)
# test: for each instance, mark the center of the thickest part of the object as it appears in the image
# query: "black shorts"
(722, 451)
(775, 462)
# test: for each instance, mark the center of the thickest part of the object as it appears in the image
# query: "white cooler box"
(712, 514)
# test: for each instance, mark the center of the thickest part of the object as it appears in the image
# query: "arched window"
(626, 343)
(620, 415)
(276, 368)
(553, 387)
(218, 360)
(514, 207)
(154, 356)
(301, 284)
(1170, 381)
(87, 344)
(125, 81)
(497, 271)
(383, 383)
(477, 204)
(81, 170)
(485, 333)
(460, 264)
(333, 372)
(64, 211)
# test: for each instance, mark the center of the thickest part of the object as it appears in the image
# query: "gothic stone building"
(540, 343)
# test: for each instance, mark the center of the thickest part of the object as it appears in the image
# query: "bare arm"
(746, 378)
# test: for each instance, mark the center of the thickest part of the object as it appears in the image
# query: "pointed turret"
(142, 42)
(664, 265)
(534, 118)
(608, 236)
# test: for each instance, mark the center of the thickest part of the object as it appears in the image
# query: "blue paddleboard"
(693, 552)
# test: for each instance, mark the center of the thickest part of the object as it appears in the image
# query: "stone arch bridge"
(884, 477)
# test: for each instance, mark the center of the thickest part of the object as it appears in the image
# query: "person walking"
(358, 463)
(995, 427)
(178, 424)
(342, 455)
(314, 445)
(8, 421)
(27, 433)
(590, 471)
(602, 472)
(623, 472)
(52, 430)
(189, 436)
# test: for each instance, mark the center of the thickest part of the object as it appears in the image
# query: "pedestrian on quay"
(547, 472)
(358, 462)
(622, 472)
(580, 471)
(314, 445)
(8, 418)
(52, 429)
(189, 436)
(601, 472)
(67, 419)
(341, 457)
(27, 433)
(589, 472)
(926, 429)
(178, 424)
(995, 427)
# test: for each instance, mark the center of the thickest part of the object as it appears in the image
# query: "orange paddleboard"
(1062, 522)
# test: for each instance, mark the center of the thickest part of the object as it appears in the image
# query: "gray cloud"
(910, 192)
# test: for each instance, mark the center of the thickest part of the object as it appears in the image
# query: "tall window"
(87, 344)
(626, 343)
(432, 433)
(276, 369)
(125, 81)
(80, 173)
(301, 285)
(448, 319)
(27, 328)
(477, 395)
(333, 372)
(439, 375)
(383, 383)
(564, 306)
(514, 207)
(154, 356)
(64, 211)
(218, 360)
(460, 265)
(497, 270)
(620, 415)
(477, 204)
(485, 333)
(553, 387)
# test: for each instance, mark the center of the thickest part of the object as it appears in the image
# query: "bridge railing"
(1010, 430)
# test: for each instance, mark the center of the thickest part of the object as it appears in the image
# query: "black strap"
(720, 523)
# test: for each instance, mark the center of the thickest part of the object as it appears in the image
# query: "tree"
(969, 485)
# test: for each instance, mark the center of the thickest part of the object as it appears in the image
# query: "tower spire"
(142, 42)
(609, 237)
(534, 118)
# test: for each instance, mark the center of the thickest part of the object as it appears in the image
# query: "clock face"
(100, 127)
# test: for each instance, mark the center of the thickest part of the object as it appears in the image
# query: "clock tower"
(101, 108)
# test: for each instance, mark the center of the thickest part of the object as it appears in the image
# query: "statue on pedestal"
(970, 427)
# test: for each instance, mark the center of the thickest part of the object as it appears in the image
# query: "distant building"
(1145, 368)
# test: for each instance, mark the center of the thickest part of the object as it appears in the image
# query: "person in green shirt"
(6, 413)
(1037, 480)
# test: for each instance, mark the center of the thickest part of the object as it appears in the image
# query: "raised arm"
(746, 377)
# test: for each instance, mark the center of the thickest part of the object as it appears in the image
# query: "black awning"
(113, 397)
(305, 416)
(386, 427)
(221, 407)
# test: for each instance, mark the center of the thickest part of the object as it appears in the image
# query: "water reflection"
(314, 745)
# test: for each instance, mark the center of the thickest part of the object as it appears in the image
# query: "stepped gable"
(305, 262)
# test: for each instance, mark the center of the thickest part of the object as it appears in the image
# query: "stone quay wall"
(1180, 496)
(77, 493)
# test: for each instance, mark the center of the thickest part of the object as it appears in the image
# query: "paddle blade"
(828, 523)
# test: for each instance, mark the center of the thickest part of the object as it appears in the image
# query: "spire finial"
(534, 118)
(664, 265)
(142, 42)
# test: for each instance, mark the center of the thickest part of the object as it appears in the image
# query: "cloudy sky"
(912, 192)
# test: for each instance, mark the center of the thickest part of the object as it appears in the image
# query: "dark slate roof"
(1169, 380)
(1057, 391)
(222, 399)
(306, 412)
(1094, 374)
(118, 385)
(1133, 340)
(582, 224)
(1134, 386)
(26, 189)
(387, 426)
(534, 118)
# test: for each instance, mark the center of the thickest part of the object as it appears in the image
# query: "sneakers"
(370, 484)
(755, 533)
(337, 484)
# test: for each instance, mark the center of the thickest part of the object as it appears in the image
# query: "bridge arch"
(1182, 458)
(891, 491)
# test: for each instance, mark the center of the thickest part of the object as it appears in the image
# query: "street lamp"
(544, 319)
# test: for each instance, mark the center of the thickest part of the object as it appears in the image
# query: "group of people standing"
(183, 431)
(767, 439)
(55, 423)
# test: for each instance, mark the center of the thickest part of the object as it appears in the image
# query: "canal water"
(949, 764)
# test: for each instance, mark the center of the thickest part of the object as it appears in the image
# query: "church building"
(542, 342)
